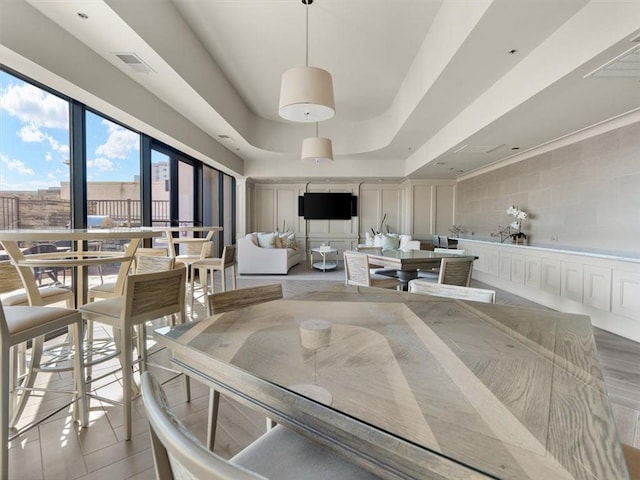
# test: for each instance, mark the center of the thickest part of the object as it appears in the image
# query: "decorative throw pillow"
(266, 239)
(280, 242)
(289, 240)
(368, 239)
(390, 241)
(404, 241)
(253, 237)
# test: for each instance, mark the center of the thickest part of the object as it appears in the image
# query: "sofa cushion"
(253, 237)
(390, 241)
(266, 239)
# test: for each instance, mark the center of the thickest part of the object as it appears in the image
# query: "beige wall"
(584, 195)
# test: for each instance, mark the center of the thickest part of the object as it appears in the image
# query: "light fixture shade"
(306, 95)
(317, 150)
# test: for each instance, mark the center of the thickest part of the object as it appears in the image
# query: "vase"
(520, 241)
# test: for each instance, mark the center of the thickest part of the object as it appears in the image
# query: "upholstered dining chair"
(226, 302)
(279, 454)
(452, 291)
(19, 324)
(13, 293)
(456, 271)
(147, 296)
(226, 262)
(357, 271)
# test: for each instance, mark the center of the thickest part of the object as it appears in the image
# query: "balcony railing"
(122, 212)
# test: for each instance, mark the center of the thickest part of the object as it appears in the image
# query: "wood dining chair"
(147, 296)
(18, 324)
(452, 291)
(280, 453)
(225, 302)
(226, 262)
(456, 271)
(357, 271)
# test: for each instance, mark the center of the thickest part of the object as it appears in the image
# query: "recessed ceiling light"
(83, 15)
(460, 171)
(223, 136)
(515, 148)
(512, 51)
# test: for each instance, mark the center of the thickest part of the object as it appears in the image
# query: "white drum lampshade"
(317, 150)
(306, 95)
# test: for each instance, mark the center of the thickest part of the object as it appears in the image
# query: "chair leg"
(214, 403)
(223, 280)
(233, 277)
(127, 377)
(81, 405)
(4, 410)
(88, 369)
(29, 381)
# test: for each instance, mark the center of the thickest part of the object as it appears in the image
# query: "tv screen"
(327, 206)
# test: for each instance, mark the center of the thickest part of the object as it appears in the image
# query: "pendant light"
(306, 93)
(317, 150)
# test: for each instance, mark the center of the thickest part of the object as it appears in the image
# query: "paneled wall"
(607, 288)
(421, 208)
(584, 195)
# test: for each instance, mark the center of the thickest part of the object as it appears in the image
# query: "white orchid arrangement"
(519, 216)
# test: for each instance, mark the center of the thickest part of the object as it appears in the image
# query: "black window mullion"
(78, 170)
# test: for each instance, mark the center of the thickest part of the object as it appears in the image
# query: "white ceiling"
(423, 88)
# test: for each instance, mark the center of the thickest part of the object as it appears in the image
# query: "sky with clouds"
(34, 141)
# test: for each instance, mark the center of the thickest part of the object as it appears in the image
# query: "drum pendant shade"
(317, 150)
(306, 95)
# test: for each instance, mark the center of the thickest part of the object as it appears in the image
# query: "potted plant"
(518, 237)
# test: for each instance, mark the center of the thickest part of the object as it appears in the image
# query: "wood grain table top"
(414, 386)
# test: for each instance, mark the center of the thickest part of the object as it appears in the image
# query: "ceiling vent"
(134, 62)
(478, 148)
(626, 65)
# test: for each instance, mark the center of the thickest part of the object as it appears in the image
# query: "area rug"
(303, 271)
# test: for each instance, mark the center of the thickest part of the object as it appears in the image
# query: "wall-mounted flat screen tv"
(327, 206)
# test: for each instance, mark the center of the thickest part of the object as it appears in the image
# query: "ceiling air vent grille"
(134, 62)
(626, 65)
(478, 148)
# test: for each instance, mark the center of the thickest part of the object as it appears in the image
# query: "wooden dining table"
(414, 386)
(75, 257)
(411, 260)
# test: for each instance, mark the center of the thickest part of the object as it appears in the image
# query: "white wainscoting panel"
(505, 266)
(572, 283)
(550, 276)
(517, 268)
(626, 294)
(605, 287)
(532, 272)
(597, 287)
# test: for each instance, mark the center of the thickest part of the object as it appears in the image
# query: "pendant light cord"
(306, 58)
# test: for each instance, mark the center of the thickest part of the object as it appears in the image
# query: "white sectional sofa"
(254, 259)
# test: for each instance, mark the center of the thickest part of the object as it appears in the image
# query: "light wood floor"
(59, 450)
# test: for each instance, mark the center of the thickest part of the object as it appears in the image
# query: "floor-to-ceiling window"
(43, 180)
(34, 156)
(113, 173)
